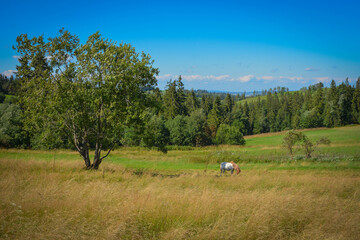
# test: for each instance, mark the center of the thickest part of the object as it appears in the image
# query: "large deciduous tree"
(91, 91)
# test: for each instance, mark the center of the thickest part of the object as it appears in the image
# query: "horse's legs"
(232, 171)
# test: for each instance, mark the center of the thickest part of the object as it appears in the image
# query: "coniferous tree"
(174, 99)
(355, 103)
(228, 104)
(181, 96)
(156, 134)
(345, 102)
(331, 111)
(197, 131)
(191, 102)
(319, 100)
(170, 100)
(207, 103)
(215, 116)
(313, 107)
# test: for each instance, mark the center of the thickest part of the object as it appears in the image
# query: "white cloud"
(164, 77)
(311, 69)
(221, 77)
(195, 77)
(267, 78)
(206, 77)
(294, 78)
(16, 57)
(242, 79)
(8, 73)
(245, 78)
(322, 79)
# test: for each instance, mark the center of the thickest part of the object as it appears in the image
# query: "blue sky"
(215, 45)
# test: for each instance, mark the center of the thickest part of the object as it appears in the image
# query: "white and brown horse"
(229, 166)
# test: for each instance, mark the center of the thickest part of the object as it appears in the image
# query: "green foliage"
(156, 134)
(2, 97)
(290, 139)
(177, 131)
(91, 90)
(228, 104)
(8, 85)
(310, 146)
(332, 111)
(174, 99)
(191, 102)
(98, 93)
(215, 117)
(227, 134)
(131, 137)
(197, 131)
(355, 103)
(310, 119)
(206, 103)
(11, 134)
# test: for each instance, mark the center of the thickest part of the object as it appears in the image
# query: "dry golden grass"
(40, 201)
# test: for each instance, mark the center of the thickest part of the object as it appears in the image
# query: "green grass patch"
(260, 152)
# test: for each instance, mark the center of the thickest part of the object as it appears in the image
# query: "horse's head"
(238, 170)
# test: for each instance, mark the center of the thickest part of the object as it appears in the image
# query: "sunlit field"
(144, 194)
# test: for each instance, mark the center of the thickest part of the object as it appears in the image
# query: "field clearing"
(144, 194)
(40, 200)
(260, 151)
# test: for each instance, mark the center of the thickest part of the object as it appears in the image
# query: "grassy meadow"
(144, 194)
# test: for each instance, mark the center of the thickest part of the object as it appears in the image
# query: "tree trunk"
(97, 159)
(85, 154)
(87, 160)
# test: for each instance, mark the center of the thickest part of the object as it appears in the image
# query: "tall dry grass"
(40, 200)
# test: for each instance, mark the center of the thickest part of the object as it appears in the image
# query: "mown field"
(144, 194)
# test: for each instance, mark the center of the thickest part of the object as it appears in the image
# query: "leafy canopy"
(91, 91)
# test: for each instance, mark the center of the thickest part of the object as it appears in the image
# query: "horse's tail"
(222, 165)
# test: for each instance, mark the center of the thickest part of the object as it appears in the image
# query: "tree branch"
(109, 150)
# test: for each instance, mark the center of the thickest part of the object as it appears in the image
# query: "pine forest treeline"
(198, 118)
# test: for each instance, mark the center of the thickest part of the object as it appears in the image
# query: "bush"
(11, 126)
(197, 132)
(176, 128)
(227, 134)
(2, 97)
(156, 134)
(292, 137)
(132, 137)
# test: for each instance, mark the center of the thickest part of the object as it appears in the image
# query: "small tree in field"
(91, 91)
(310, 146)
(290, 139)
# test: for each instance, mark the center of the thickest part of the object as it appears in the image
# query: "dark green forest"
(198, 118)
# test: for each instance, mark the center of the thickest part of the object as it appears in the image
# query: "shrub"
(11, 126)
(227, 134)
(156, 134)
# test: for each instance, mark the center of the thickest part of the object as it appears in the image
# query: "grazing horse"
(229, 166)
